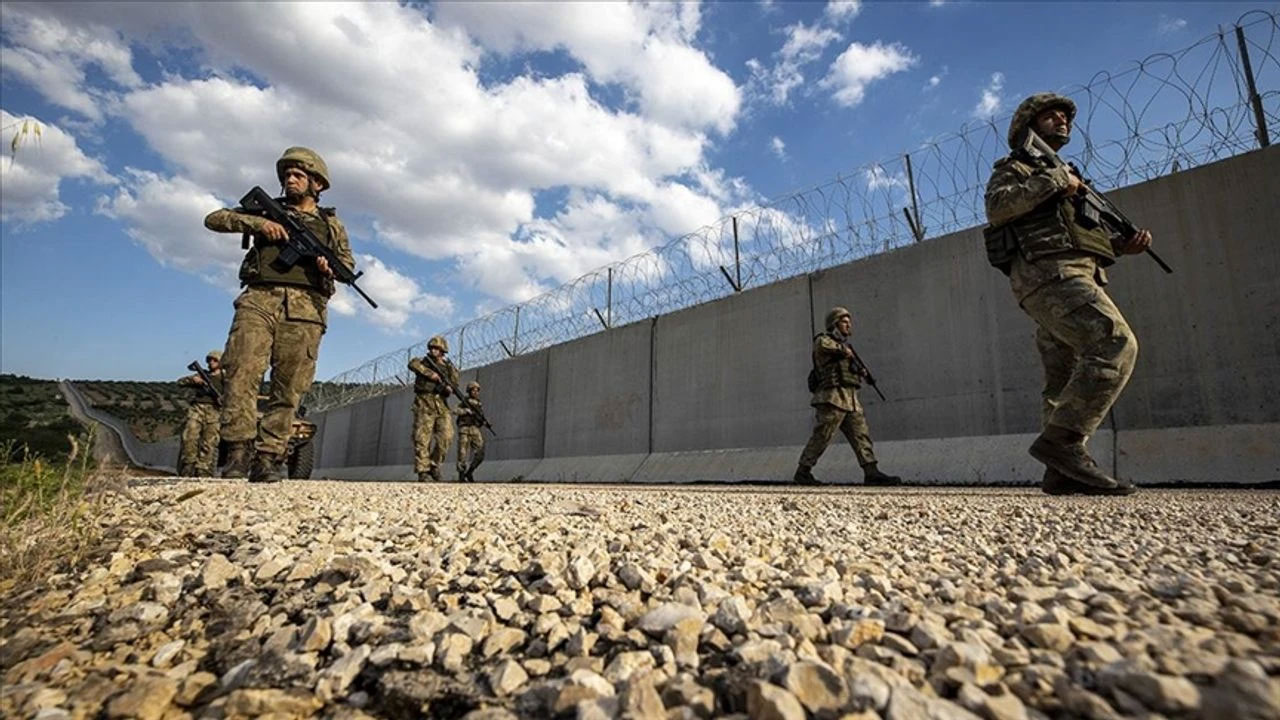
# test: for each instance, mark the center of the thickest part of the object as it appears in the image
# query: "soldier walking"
(835, 403)
(470, 438)
(279, 318)
(432, 422)
(1085, 344)
(198, 452)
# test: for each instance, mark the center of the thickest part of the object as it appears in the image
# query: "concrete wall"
(716, 392)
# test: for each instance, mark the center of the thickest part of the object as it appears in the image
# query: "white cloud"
(937, 3)
(165, 215)
(33, 173)
(1167, 24)
(644, 46)
(878, 178)
(838, 11)
(934, 81)
(436, 161)
(53, 58)
(804, 45)
(860, 65)
(990, 101)
(399, 296)
(778, 147)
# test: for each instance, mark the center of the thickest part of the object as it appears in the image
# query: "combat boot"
(186, 470)
(804, 476)
(434, 474)
(265, 469)
(1063, 450)
(1055, 483)
(424, 476)
(239, 456)
(873, 476)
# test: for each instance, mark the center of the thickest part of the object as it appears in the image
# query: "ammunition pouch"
(1002, 246)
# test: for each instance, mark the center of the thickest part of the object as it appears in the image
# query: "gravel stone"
(493, 601)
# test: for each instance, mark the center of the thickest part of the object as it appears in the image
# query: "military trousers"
(829, 418)
(470, 448)
(432, 432)
(1087, 348)
(280, 328)
(198, 452)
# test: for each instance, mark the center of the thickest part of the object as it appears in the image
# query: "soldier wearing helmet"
(432, 423)
(198, 451)
(1054, 258)
(834, 382)
(279, 318)
(470, 438)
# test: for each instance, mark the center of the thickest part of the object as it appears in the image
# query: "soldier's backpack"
(813, 380)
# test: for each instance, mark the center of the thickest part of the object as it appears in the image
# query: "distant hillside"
(154, 410)
(34, 414)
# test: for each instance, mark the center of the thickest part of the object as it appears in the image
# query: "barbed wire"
(1167, 112)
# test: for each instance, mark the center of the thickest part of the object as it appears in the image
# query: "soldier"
(432, 424)
(1087, 348)
(470, 437)
(198, 453)
(279, 318)
(835, 403)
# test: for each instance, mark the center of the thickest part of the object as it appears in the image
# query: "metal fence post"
(462, 334)
(515, 337)
(913, 222)
(1259, 117)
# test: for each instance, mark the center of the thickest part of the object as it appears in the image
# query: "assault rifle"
(862, 369)
(208, 382)
(301, 243)
(444, 378)
(1092, 207)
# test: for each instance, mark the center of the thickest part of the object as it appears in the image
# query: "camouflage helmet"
(834, 315)
(307, 159)
(214, 355)
(1032, 107)
(473, 385)
(440, 342)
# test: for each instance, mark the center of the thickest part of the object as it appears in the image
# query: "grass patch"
(47, 510)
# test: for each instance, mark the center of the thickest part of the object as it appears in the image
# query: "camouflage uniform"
(432, 422)
(198, 452)
(470, 436)
(1086, 346)
(279, 320)
(835, 404)
(836, 407)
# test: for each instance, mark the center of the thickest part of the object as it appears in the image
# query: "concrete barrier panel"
(598, 394)
(944, 337)
(395, 445)
(1235, 454)
(337, 431)
(364, 432)
(1208, 353)
(514, 392)
(731, 373)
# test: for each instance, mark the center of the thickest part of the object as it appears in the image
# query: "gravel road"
(350, 600)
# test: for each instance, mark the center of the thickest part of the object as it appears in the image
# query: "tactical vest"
(1052, 228)
(422, 385)
(467, 417)
(834, 372)
(257, 268)
(202, 396)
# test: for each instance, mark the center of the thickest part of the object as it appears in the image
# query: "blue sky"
(481, 153)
